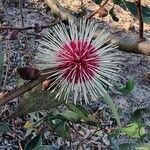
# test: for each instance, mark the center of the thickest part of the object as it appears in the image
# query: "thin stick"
(25, 32)
(7, 47)
(94, 13)
(27, 28)
(141, 25)
(8, 63)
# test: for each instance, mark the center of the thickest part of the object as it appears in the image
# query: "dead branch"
(26, 87)
(27, 28)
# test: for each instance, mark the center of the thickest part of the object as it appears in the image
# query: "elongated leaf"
(82, 112)
(4, 128)
(71, 116)
(113, 108)
(36, 100)
(68, 115)
(35, 142)
(28, 132)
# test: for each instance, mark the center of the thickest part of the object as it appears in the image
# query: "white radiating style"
(86, 65)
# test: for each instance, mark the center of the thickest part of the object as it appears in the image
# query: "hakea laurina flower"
(86, 65)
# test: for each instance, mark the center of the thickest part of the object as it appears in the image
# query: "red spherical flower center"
(78, 61)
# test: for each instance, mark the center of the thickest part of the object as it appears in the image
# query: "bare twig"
(25, 32)
(21, 13)
(94, 13)
(141, 25)
(28, 28)
(8, 63)
(7, 47)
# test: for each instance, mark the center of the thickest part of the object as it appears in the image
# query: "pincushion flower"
(86, 65)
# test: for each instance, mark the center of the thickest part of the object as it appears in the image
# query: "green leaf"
(82, 112)
(35, 142)
(61, 128)
(113, 15)
(28, 132)
(137, 114)
(113, 108)
(37, 100)
(4, 128)
(71, 116)
(98, 2)
(45, 147)
(134, 130)
(66, 116)
(143, 146)
(127, 88)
